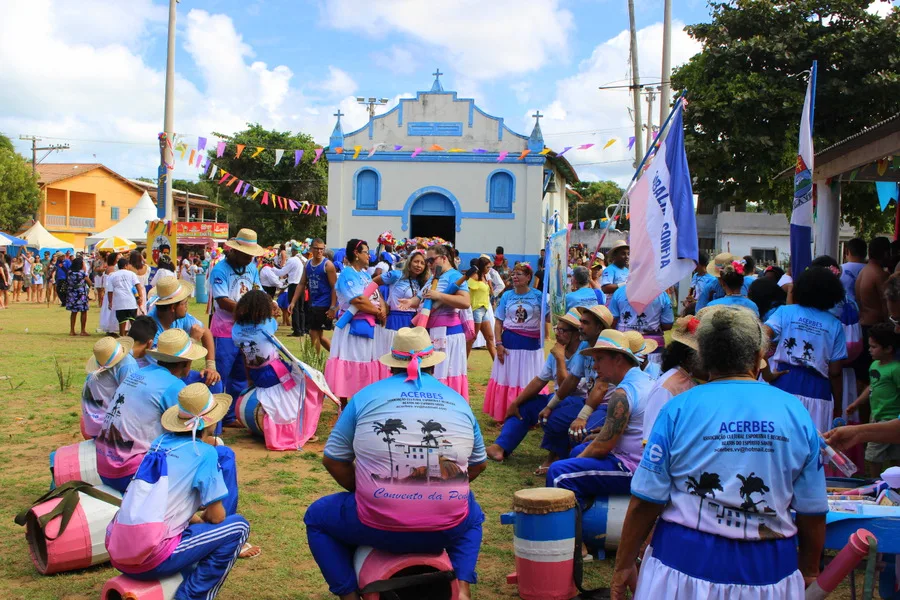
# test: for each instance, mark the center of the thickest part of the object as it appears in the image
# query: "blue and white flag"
(663, 226)
(802, 215)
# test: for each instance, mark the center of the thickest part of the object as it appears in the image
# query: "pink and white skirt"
(353, 362)
(510, 377)
(453, 371)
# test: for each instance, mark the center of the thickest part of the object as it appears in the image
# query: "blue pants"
(334, 531)
(514, 430)
(216, 388)
(212, 548)
(590, 477)
(556, 430)
(231, 367)
(226, 465)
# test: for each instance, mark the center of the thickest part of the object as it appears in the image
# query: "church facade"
(469, 184)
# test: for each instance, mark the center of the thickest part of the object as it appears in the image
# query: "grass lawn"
(275, 488)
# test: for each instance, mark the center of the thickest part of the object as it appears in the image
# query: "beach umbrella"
(115, 244)
(11, 240)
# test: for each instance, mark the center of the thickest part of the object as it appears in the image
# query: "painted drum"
(374, 565)
(544, 542)
(123, 587)
(601, 524)
(76, 462)
(82, 544)
(249, 412)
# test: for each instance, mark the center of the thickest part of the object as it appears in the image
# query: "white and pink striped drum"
(83, 542)
(124, 587)
(249, 412)
(75, 462)
(374, 565)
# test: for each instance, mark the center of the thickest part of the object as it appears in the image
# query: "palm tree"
(789, 345)
(428, 436)
(751, 485)
(390, 426)
(707, 486)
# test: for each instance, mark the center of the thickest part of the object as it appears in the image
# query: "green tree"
(746, 91)
(592, 199)
(19, 191)
(306, 181)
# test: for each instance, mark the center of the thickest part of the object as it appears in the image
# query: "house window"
(114, 213)
(368, 188)
(501, 191)
(764, 256)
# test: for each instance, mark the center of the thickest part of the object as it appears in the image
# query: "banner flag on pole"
(802, 214)
(664, 247)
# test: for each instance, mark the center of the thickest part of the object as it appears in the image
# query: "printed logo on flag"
(802, 183)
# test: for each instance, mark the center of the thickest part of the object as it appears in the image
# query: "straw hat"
(245, 241)
(573, 318)
(108, 352)
(171, 290)
(197, 408)
(409, 343)
(618, 245)
(684, 331)
(598, 310)
(641, 346)
(611, 340)
(174, 345)
(725, 258)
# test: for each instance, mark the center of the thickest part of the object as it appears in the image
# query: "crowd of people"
(757, 365)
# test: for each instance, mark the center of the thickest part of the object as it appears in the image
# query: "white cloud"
(580, 113)
(522, 89)
(880, 8)
(339, 83)
(396, 59)
(507, 37)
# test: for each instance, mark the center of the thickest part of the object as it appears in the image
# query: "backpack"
(139, 527)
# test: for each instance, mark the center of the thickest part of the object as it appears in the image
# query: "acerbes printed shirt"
(585, 296)
(807, 337)
(521, 313)
(185, 323)
(736, 301)
(132, 419)
(402, 288)
(614, 274)
(251, 339)
(226, 282)
(413, 445)
(650, 320)
(98, 391)
(732, 458)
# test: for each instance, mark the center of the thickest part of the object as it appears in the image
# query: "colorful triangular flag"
(278, 154)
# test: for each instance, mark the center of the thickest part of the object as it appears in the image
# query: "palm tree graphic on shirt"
(751, 484)
(706, 487)
(428, 438)
(789, 345)
(807, 351)
(387, 429)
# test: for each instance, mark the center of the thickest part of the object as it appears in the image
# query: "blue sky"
(91, 72)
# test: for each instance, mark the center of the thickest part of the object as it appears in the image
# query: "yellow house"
(80, 199)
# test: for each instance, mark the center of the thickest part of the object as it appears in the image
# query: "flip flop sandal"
(248, 550)
(541, 471)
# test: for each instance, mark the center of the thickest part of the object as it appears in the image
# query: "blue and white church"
(462, 193)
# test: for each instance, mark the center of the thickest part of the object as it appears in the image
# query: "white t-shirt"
(121, 284)
(160, 273)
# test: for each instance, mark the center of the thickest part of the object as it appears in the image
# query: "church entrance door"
(433, 215)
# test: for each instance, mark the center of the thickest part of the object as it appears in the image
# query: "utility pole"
(35, 149)
(651, 96)
(635, 88)
(371, 103)
(164, 204)
(665, 91)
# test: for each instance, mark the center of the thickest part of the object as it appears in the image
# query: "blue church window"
(368, 189)
(501, 191)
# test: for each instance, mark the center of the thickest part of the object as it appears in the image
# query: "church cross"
(339, 114)
(437, 73)
(537, 116)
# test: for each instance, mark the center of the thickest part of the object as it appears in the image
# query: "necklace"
(733, 377)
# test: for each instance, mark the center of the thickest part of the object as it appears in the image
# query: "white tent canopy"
(133, 227)
(38, 237)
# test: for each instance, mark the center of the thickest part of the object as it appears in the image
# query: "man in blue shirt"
(407, 486)
(712, 289)
(583, 294)
(230, 279)
(617, 272)
(63, 264)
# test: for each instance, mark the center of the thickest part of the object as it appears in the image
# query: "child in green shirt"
(883, 395)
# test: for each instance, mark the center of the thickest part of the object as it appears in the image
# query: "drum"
(123, 587)
(601, 524)
(81, 545)
(376, 566)
(544, 543)
(249, 412)
(76, 462)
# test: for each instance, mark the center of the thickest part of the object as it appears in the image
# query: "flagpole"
(637, 172)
